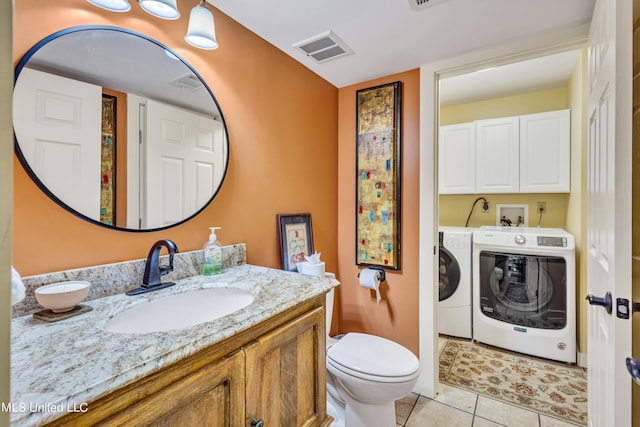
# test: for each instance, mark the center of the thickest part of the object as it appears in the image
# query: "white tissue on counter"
(312, 265)
(313, 259)
(18, 290)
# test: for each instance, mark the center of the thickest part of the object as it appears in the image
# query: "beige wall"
(455, 208)
(527, 103)
(396, 317)
(6, 192)
(577, 204)
(283, 129)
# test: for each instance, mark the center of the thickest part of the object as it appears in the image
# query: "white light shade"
(112, 5)
(202, 31)
(165, 9)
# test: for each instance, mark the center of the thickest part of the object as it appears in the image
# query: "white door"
(457, 159)
(498, 155)
(609, 211)
(184, 163)
(58, 122)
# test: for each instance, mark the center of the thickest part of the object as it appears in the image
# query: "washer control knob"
(520, 239)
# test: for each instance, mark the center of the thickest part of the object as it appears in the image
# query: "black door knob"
(605, 302)
(257, 423)
(633, 366)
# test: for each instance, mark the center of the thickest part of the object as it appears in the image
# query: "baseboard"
(582, 360)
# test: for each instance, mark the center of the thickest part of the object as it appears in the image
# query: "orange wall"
(396, 317)
(283, 125)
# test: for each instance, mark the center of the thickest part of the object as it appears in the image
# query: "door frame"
(575, 37)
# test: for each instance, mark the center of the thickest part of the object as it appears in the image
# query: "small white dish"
(62, 296)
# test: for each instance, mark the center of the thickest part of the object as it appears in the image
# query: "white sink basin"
(180, 310)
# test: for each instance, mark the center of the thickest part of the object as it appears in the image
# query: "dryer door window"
(524, 290)
(449, 273)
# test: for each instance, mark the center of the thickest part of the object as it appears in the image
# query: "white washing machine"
(524, 290)
(454, 287)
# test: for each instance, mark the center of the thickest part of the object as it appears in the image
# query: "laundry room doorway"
(618, 378)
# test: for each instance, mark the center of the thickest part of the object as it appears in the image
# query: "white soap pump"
(212, 255)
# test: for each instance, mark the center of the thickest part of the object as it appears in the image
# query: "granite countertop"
(63, 366)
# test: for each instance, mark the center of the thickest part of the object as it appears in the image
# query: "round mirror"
(118, 129)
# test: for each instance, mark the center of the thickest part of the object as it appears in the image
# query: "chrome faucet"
(153, 271)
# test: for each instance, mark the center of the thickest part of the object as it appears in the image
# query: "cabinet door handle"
(257, 423)
(605, 302)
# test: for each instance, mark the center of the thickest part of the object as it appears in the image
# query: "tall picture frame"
(378, 169)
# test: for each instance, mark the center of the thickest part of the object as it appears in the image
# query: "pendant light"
(202, 31)
(112, 5)
(165, 9)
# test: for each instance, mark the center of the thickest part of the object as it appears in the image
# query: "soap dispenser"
(212, 255)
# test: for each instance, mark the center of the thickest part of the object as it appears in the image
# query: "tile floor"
(456, 407)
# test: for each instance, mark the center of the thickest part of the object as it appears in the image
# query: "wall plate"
(516, 214)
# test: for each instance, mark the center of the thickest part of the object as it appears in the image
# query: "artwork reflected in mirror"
(118, 129)
(108, 161)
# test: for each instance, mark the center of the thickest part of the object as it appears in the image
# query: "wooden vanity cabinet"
(286, 375)
(274, 372)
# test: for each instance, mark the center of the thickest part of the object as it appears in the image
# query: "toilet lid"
(373, 355)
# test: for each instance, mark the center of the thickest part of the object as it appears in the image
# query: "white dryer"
(454, 287)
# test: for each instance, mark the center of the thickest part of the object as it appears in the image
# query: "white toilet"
(366, 374)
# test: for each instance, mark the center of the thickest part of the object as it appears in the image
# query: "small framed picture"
(296, 239)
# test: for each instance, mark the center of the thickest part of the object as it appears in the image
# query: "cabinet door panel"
(498, 155)
(544, 152)
(286, 374)
(457, 159)
(211, 396)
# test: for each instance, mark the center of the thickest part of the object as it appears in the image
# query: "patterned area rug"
(552, 388)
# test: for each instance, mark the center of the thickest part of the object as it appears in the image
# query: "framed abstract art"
(378, 176)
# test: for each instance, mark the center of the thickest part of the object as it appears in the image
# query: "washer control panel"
(553, 241)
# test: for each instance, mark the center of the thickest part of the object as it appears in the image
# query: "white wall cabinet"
(457, 159)
(520, 154)
(497, 155)
(545, 152)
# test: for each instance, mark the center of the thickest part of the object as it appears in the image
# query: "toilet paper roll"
(369, 278)
(306, 267)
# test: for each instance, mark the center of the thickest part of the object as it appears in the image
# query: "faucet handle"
(165, 269)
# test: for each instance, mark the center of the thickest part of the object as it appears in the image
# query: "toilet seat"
(373, 358)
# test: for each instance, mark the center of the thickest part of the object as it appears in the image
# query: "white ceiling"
(547, 72)
(388, 37)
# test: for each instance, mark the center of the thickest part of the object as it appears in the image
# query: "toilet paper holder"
(381, 274)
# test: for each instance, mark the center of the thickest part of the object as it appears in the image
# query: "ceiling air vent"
(188, 82)
(422, 4)
(323, 47)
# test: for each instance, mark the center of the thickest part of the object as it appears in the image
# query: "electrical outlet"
(542, 207)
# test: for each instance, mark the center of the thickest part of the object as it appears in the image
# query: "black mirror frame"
(23, 161)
